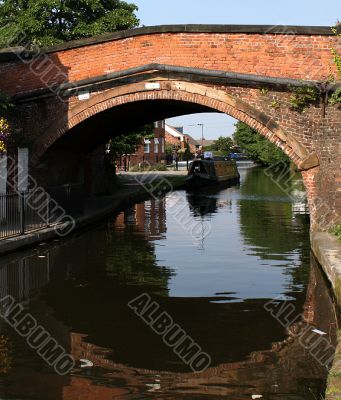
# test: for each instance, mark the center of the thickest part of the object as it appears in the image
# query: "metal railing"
(18, 216)
(9, 215)
(24, 212)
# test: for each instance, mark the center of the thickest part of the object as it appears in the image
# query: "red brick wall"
(152, 157)
(178, 143)
(291, 56)
(173, 141)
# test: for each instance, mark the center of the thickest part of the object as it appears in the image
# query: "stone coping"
(327, 250)
(11, 54)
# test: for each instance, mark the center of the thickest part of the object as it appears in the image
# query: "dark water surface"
(211, 261)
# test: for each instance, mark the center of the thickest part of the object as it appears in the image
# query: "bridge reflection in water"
(78, 289)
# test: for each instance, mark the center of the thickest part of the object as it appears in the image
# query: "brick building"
(177, 139)
(151, 151)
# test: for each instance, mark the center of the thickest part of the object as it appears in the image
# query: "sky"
(252, 12)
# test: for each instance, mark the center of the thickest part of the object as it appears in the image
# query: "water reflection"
(78, 289)
(204, 203)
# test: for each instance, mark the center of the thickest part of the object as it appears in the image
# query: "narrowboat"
(216, 171)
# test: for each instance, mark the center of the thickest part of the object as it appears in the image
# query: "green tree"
(127, 143)
(169, 149)
(257, 147)
(223, 145)
(48, 22)
(187, 152)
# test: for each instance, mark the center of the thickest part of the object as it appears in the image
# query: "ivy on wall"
(303, 97)
(336, 56)
(335, 98)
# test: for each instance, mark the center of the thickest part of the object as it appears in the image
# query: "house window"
(147, 146)
(162, 145)
(156, 145)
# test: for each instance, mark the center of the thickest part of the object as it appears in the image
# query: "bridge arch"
(204, 68)
(211, 98)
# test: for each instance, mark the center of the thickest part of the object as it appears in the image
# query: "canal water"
(219, 263)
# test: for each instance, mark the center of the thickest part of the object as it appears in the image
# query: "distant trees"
(222, 144)
(257, 147)
(48, 22)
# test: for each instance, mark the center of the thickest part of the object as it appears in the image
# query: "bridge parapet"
(278, 52)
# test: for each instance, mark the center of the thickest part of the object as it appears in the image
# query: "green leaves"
(335, 98)
(48, 22)
(257, 146)
(303, 97)
(223, 144)
(337, 60)
(127, 143)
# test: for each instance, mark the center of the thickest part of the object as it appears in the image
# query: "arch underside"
(140, 103)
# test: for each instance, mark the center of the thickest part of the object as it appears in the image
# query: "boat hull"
(212, 173)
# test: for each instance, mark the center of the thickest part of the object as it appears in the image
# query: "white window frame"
(146, 146)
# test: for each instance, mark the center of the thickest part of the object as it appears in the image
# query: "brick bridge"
(72, 98)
